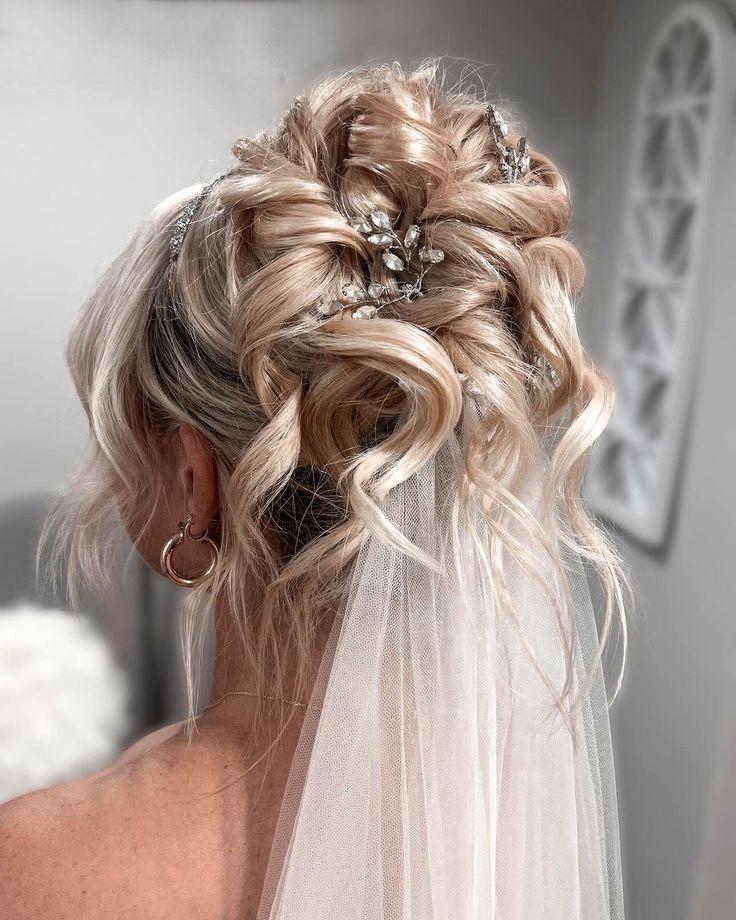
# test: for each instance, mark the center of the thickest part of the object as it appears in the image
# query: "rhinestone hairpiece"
(400, 256)
(403, 256)
(187, 215)
(513, 160)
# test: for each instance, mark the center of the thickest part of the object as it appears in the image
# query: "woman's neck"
(235, 671)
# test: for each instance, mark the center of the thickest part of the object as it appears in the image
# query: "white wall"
(675, 726)
(107, 107)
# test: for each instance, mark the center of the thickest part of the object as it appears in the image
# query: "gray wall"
(675, 723)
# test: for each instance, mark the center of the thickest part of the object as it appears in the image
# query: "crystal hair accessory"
(410, 256)
(187, 216)
(403, 257)
(513, 160)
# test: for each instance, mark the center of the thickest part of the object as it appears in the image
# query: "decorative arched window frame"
(684, 116)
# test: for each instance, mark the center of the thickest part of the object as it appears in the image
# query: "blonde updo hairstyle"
(341, 410)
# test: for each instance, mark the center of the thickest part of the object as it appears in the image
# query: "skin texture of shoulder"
(171, 829)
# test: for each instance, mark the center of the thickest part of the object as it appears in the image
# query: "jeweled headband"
(187, 215)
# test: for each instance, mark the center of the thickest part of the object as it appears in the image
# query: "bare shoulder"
(156, 835)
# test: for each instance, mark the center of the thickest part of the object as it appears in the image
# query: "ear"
(201, 478)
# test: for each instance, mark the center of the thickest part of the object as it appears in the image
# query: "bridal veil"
(435, 778)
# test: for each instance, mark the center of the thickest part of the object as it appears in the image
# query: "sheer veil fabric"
(434, 780)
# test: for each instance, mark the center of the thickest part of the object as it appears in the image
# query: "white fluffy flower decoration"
(63, 699)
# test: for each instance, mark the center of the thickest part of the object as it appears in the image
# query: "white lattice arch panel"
(682, 109)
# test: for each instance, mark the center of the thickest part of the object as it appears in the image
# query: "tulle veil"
(434, 779)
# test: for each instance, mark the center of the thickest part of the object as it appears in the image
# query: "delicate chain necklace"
(261, 696)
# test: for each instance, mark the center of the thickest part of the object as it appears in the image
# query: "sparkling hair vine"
(513, 160)
(400, 255)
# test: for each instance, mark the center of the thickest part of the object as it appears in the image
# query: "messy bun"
(312, 420)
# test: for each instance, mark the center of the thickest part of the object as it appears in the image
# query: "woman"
(339, 390)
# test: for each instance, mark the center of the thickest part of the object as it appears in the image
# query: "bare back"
(171, 829)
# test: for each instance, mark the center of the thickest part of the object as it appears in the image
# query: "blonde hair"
(342, 410)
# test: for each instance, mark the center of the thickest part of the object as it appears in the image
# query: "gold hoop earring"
(167, 567)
